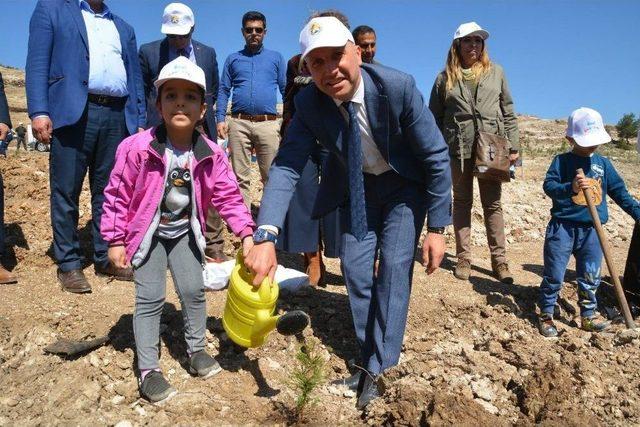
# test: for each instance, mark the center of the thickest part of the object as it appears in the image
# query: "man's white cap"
(470, 28)
(183, 69)
(585, 126)
(177, 19)
(326, 31)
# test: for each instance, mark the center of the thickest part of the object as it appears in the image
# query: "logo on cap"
(315, 28)
(175, 19)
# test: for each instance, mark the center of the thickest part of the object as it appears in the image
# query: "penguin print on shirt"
(176, 203)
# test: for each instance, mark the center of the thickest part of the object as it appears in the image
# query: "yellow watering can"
(249, 312)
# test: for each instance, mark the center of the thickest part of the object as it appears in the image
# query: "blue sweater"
(557, 185)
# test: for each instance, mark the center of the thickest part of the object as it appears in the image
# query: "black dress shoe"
(114, 272)
(351, 382)
(74, 281)
(368, 390)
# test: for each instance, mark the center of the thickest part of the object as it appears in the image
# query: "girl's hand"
(118, 256)
(247, 244)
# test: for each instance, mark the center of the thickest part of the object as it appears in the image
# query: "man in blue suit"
(178, 24)
(5, 127)
(84, 95)
(388, 166)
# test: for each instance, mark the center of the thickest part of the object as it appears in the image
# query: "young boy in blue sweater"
(571, 230)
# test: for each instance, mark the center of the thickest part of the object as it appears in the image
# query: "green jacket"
(453, 112)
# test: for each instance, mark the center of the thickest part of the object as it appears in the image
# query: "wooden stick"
(622, 300)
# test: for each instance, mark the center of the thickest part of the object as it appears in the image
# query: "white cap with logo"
(585, 126)
(326, 31)
(177, 19)
(183, 69)
(470, 29)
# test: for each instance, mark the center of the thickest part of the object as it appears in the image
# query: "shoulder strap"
(472, 103)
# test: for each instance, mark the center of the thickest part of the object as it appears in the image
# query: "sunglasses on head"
(249, 30)
(177, 36)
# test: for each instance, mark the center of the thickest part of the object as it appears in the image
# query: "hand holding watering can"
(249, 313)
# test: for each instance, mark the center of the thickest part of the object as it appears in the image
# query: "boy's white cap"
(468, 29)
(585, 126)
(183, 69)
(177, 19)
(326, 31)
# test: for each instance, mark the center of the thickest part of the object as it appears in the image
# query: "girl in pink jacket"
(156, 203)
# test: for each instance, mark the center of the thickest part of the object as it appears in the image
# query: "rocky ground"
(472, 354)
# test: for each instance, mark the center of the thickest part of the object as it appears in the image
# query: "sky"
(558, 55)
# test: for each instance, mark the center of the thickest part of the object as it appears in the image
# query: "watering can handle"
(264, 290)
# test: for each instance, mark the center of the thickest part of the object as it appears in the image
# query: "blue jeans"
(562, 240)
(395, 209)
(90, 144)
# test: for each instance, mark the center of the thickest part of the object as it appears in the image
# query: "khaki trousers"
(213, 235)
(245, 135)
(490, 193)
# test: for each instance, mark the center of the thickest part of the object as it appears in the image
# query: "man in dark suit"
(178, 24)
(5, 127)
(83, 108)
(388, 166)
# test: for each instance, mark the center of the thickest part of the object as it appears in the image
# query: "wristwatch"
(436, 230)
(263, 235)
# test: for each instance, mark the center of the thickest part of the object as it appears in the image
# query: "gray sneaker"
(203, 365)
(546, 326)
(155, 388)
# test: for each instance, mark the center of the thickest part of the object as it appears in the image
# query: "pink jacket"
(136, 186)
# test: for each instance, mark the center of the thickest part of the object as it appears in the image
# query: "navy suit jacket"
(4, 106)
(403, 129)
(155, 55)
(57, 72)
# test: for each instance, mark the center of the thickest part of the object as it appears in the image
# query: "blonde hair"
(453, 69)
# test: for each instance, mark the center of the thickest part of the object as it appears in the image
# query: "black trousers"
(631, 281)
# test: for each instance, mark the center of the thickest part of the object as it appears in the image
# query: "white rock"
(334, 390)
(117, 400)
(140, 410)
(124, 423)
(487, 406)
(483, 389)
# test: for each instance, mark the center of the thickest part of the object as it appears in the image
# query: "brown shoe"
(215, 254)
(463, 269)
(114, 272)
(74, 281)
(503, 274)
(7, 277)
(314, 268)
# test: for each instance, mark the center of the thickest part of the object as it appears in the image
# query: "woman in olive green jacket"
(469, 74)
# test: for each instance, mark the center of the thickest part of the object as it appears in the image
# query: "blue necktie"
(183, 52)
(357, 209)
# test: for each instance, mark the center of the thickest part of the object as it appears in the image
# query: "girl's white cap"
(585, 126)
(470, 29)
(183, 69)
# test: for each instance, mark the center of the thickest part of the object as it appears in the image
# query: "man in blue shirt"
(178, 24)
(84, 95)
(254, 74)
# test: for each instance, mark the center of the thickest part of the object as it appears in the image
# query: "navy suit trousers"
(90, 144)
(300, 232)
(396, 209)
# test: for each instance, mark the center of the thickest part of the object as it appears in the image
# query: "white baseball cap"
(585, 126)
(468, 29)
(177, 19)
(183, 69)
(326, 31)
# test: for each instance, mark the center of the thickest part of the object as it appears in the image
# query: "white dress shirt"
(372, 160)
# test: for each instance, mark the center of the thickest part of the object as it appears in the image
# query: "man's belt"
(256, 118)
(106, 99)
